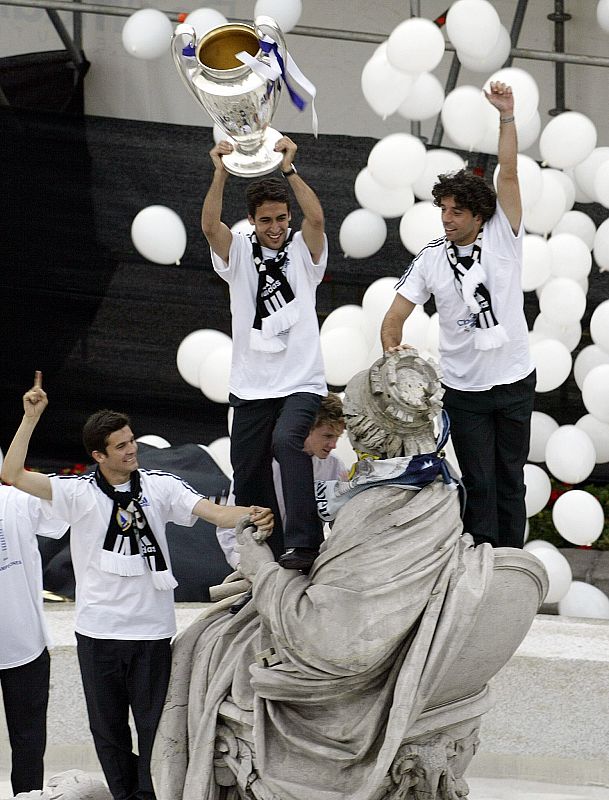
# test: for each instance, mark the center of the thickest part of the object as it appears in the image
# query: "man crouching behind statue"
(323, 675)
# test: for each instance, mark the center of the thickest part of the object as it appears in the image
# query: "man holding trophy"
(277, 374)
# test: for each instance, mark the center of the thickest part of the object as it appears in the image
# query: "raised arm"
(13, 468)
(215, 231)
(313, 222)
(229, 516)
(393, 322)
(508, 189)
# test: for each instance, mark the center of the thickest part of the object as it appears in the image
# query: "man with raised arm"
(474, 274)
(277, 375)
(125, 614)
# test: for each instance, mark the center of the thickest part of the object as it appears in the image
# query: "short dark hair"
(100, 426)
(468, 190)
(330, 413)
(267, 189)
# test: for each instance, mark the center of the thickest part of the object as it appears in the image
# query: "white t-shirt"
(23, 630)
(257, 375)
(463, 367)
(324, 469)
(110, 606)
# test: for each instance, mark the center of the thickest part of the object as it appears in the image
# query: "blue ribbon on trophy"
(277, 68)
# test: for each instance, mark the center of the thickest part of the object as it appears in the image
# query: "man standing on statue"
(277, 376)
(474, 274)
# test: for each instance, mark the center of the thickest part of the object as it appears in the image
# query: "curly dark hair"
(267, 189)
(100, 426)
(468, 190)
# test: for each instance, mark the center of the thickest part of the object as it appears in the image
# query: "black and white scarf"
(130, 542)
(470, 275)
(276, 307)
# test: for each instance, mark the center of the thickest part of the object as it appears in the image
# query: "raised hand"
(501, 97)
(286, 146)
(223, 148)
(35, 400)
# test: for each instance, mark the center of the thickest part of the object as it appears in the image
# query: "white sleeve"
(412, 284)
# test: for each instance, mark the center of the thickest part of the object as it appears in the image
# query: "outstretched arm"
(313, 222)
(508, 189)
(229, 516)
(13, 467)
(216, 232)
(393, 322)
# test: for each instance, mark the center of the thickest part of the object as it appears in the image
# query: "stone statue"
(368, 677)
(70, 785)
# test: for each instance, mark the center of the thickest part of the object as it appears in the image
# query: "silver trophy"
(240, 100)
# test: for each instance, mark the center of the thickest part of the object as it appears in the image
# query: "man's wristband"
(288, 172)
(506, 119)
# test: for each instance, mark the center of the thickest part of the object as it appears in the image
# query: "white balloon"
(344, 353)
(465, 114)
(536, 262)
(414, 330)
(539, 544)
(567, 139)
(601, 184)
(578, 517)
(204, 20)
(552, 361)
(559, 572)
(375, 197)
(384, 87)
(214, 373)
(147, 34)
(595, 392)
(587, 359)
(585, 172)
(542, 427)
(570, 335)
(550, 206)
(347, 316)
(599, 433)
(578, 224)
(571, 257)
(362, 233)
(582, 599)
(420, 224)
(570, 454)
(567, 183)
(375, 304)
(602, 14)
(493, 60)
(562, 301)
(286, 13)
(528, 131)
(159, 235)
(153, 440)
(424, 99)
(345, 451)
(599, 325)
(529, 179)
(524, 88)
(219, 450)
(538, 489)
(397, 160)
(194, 348)
(229, 419)
(415, 45)
(473, 27)
(242, 226)
(437, 162)
(601, 246)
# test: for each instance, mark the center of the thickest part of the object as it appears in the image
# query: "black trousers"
(277, 427)
(25, 692)
(118, 675)
(491, 434)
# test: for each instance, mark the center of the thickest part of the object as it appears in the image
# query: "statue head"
(390, 408)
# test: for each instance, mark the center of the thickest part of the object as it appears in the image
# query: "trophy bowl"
(240, 99)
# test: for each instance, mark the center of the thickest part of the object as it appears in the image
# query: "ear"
(250, 219)
(99, 456)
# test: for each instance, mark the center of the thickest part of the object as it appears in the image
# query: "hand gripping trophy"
(235, 72)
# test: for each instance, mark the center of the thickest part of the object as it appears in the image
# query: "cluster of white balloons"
(204, 360)
(147, 33)
(574, 598)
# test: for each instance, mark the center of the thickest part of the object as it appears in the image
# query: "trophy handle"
(262, 22)
(185, 37)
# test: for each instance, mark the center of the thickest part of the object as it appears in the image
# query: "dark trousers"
(25, 692)
(277, 427)
(116, 675)
(491, 432)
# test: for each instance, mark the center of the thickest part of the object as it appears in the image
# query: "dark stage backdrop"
(102, 323)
